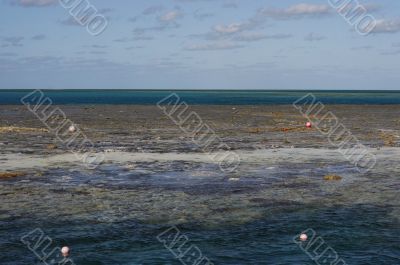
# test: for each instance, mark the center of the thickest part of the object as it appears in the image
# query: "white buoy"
(303, 237)
(65, 251)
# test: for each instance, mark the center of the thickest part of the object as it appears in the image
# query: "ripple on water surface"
(112, 215)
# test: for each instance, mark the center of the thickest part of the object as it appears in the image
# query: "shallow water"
(112, 215)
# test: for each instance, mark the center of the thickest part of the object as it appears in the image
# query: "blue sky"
(198, 44)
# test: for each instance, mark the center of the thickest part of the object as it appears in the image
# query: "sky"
(199, 44)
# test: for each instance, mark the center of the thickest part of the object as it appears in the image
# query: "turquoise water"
(205, 97)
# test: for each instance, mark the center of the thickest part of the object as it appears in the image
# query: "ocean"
(156, 179)
(212, 97)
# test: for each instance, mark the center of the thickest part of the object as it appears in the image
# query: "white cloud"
(36, 3)
(256, 36)
(170, 16)
(231, 28)
(213, 46)
(387, 26)
(297, 11)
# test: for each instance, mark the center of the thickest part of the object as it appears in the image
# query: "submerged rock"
(13, 129)
(51, 147)
(7, 175)
(254, 130)
(332, 178)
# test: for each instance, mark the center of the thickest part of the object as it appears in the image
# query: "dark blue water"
(361, 236)
(360, 233)
(249, 97)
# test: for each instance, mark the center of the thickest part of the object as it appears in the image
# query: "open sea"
(114, 215)
(213, 97)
